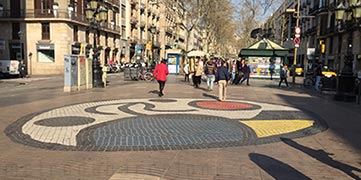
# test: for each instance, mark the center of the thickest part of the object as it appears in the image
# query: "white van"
(9, 68)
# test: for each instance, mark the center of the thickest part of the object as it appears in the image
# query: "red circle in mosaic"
(223, 105)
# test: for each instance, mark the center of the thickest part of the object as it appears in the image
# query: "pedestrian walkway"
(125, 131)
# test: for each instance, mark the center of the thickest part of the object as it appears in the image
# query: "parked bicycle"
(144, 75)
(327, 83)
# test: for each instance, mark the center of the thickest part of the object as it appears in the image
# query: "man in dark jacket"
(222, 77)
(246, 72)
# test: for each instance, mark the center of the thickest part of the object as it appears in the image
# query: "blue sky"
(268, 13)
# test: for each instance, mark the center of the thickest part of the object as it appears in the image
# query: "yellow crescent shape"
(266, 128)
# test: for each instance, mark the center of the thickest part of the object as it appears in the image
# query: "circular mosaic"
(148, 124)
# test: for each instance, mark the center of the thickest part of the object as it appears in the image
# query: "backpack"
(284, 73)
(272, 67)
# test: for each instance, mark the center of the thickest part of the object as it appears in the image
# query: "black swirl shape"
(65, 121)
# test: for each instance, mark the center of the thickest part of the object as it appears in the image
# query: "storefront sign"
(45, 46)
(75, 49)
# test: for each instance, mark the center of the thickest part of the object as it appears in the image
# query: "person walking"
(161, 72)
(222, 77)
(246, 72)
(233, 69)
(272, 68)
(186, 71)
(22, 69)
(283, 76)
(198, 73)
(210, 72)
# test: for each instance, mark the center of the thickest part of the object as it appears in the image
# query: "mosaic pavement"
(162, 124)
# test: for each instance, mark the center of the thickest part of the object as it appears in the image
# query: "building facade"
(323, 38)
(41, 32)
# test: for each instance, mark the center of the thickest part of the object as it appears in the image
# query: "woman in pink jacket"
(161, 72)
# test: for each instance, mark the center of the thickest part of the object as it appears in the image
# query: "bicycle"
(309, 82)
(144, 75)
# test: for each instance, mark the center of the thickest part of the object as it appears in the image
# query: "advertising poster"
(259, 66)
(172, 64)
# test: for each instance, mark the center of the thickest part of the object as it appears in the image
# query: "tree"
(251, 16)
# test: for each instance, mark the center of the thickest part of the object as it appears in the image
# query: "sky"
(268, 13)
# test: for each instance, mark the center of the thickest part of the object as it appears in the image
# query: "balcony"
(133, 20)
(169, 30)
(156, 44)
(54, 15)
(133, 4)
(142, 24)
(11, 14)
(110, 26)
(133, 40)
(142, 7)
(181, 37)
(115, 3)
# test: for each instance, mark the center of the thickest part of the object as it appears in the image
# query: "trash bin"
(134, 73)
(127, 74)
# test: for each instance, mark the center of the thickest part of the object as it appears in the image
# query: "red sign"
(297, 30)
(297, 40)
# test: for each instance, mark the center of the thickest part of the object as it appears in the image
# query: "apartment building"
(282, 22)
(41, 32)
(323, 38)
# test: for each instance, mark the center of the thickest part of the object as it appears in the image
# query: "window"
(330, 46)
(123, 11)
(87, 36)
(45, 31)
(123, 31)
(45, 52)
(98, 37)
(43, 6)
(106, 39)
(16, 30)
(46, 55)
(75, 33)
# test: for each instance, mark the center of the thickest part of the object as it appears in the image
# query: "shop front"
(174, 60)
(264, 57)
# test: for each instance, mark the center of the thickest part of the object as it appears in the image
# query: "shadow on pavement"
(210, 96)
(276, 168)
(324, 157)
(154, 92)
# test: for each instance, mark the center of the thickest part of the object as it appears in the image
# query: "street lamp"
(153, 29)
(346, 79)
(96, 14)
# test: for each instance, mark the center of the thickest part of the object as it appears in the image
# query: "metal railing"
(54, 14)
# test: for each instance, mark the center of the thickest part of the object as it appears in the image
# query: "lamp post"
(96, 14)
(153, 29)
(296, 47)
(346, 79)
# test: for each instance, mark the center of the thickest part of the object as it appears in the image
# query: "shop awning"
(197, 54)
(264, 48)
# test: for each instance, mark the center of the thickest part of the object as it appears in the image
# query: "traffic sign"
(297, 30)
(297, 41)
(297, 35)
